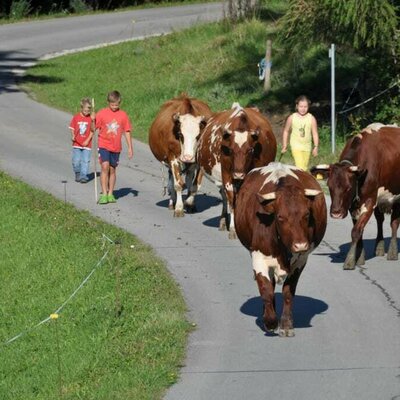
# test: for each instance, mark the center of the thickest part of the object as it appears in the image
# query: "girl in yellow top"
(303, 130)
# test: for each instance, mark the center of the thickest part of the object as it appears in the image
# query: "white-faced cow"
(234, 142)
(173, 139)
(365, 180)
(280, 218)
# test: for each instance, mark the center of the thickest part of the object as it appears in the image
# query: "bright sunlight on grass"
(48, 248)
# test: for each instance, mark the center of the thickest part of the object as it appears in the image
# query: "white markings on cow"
(190, 129)
(241, 138)
(216, 173)
(275, 171)
(356, 214)
(385, 200)
(229, 187)
(268, 266)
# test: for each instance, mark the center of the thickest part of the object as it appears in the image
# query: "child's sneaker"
(84, 180)
(111, 198)
(103, 199)
(77, 177)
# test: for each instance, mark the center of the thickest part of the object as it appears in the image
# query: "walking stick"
(94, 158)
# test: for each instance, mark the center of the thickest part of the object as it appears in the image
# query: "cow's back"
(378, 153)
(162, 140)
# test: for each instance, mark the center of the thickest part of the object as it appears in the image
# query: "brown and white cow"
(234, 142)
(173, 139)
(365, 180)
(280, 218)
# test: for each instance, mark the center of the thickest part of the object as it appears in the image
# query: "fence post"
(267, 79)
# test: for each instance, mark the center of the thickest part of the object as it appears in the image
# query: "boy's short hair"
(114, 96)
(303, 98)
(86, 100)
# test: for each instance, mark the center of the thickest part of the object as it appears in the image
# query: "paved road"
(347, 343)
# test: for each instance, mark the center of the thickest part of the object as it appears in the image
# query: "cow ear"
(320, 170)
(202, 122)
(226, 135)
(267, 201)
(311, 193)
(255, 134)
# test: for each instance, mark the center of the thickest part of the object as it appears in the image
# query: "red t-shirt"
(81, 128)
(111, 125)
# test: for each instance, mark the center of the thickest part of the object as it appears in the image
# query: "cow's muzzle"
(186, 158)
(300, 247)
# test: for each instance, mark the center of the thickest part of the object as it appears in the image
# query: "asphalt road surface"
(347, 343)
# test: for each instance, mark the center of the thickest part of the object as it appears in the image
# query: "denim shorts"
(109, 156)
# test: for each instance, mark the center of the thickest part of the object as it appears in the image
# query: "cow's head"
(240, 147)
(344, 181)
(187, 130)
(290, 208)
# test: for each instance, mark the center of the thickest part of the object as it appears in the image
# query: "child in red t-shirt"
(111, 123)
(82, 130)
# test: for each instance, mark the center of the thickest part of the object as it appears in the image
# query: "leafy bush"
(20, 9)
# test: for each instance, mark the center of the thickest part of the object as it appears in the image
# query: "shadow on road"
(304, 309)
(122, 192)
(369, 247)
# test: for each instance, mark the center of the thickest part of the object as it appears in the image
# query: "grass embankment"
(47, 249)
(215, 62)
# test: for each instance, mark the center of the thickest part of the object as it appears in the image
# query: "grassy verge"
(47, 249)
(215, 62)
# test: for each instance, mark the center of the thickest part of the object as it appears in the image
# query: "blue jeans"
(81, 161)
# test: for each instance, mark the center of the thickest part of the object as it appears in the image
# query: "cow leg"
(171, 191)
(267, 289)
(191, 185)
(286, 327)
(393, 251)
(230, 195)
(379, 243)
(178, 186)
(356, 252)
(224, 214)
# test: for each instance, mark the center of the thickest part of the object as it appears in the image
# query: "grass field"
(215, 62)
(47, 250)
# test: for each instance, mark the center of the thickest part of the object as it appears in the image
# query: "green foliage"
(20, 9)
(79, 6)
(48, 247)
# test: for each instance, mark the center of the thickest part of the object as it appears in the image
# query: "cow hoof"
(349, 264)
(232, 235)
(179, 213)
(380, 249)
(171, 207)
(361, 259)
(286, 332)
(393, 251)
(222, 225)
(271, 326)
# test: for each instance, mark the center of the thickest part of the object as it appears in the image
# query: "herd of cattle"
(277, 211)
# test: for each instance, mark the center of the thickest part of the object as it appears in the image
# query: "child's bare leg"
(104, 179)
(112, 179)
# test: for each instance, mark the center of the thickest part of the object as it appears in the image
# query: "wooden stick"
(94, 147)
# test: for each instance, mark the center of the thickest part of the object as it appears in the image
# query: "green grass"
(48, 248)
(214, 62)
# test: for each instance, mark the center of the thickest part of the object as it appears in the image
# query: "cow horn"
(176, 116)
(268, 196)
(323, 166)
(312, 192)
(353, 168)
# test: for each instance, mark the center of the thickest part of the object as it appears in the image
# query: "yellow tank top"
(300, 137)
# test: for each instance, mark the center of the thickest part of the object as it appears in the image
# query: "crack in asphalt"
(386, 294)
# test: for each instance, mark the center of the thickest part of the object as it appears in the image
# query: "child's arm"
(128, 139)
(92, 129)
(72, 133)
(314, 131)
(285, 134)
